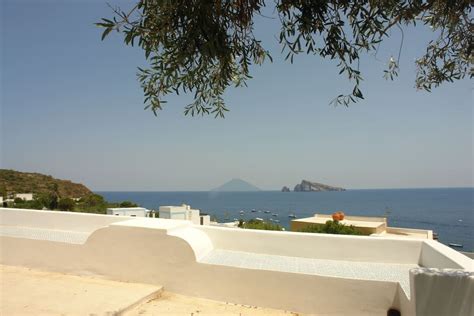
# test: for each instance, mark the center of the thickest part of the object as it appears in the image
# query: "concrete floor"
(25, 291)
(171, 304)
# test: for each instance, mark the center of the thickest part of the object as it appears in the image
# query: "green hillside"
(12, 181)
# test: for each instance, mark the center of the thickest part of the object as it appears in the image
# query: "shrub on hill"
(257, 224)
(66, 205)
(128, 204)
(331, 227)
(93, 203)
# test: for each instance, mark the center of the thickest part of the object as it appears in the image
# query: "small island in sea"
(236, 185)
(309, 186)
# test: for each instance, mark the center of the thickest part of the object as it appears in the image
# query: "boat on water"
(455, 245)
(267, 212)
(259, 219)
(292, 215)
(253, 210)
(274, 214)
(277, 221)
(242, 212)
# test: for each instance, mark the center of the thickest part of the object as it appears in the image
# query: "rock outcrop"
(285, 189)
(308, 186)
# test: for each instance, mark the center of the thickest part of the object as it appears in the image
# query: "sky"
(71, 107)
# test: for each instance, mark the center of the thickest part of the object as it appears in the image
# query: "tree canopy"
(205, 46)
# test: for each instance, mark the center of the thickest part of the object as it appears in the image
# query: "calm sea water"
(448, 212)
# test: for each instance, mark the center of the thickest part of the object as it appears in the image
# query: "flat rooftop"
(374, 226)
(358, 223)
(175, 304)
(33, 292)
(27, 291)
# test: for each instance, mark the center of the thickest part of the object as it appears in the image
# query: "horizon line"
(275, 190)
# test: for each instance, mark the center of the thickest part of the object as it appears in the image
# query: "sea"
(449, 212)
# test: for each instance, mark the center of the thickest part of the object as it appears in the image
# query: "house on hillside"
(24, 196)
(184, 212)
(128, 211)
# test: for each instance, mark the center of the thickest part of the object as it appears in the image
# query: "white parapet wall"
(54, 220)
(308, 273)
(322, 246)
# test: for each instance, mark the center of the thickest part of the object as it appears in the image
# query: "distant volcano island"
(239, 185)
(308, 186)
(236, 185)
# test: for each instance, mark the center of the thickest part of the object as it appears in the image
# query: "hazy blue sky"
(71, 107)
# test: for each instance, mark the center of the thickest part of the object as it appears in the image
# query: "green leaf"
(106, 32)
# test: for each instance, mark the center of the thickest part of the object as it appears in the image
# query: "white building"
(128, 211)
(25, 196)
(184, 212)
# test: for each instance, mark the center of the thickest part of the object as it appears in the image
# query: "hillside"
(23, 182)
(236, 185)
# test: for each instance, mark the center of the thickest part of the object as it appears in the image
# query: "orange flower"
(338, 216)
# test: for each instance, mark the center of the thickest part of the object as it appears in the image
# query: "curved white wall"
(198, 240)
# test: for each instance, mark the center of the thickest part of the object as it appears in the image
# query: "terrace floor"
(175, 304)
(333, 268)
(25, 291)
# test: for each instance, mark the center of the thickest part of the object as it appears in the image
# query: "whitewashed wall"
(165, 252)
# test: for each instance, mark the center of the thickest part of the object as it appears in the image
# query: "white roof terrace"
(308, 273)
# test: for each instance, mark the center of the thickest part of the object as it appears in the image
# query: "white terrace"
(308, 273)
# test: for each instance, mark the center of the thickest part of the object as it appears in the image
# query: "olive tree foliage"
(203, 47)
